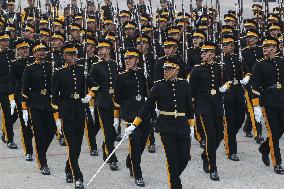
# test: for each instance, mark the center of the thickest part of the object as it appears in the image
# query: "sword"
(117, 146)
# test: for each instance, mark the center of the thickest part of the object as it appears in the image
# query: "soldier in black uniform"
(103, 74)
(129, 95)
(129, 34)
(107, 9)
(12, 17)
(170, 49)
(234, 98)
(205, 84)
(15, 85)
(30, 10)
(6, 56)
(251, 53)
(68, 87)
(268, 92)
(36, 91)
(174, 102)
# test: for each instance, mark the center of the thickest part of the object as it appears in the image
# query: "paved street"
(249, 173)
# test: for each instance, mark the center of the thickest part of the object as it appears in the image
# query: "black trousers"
(235, 115)
(137, 143)
(106, 123)
(177, 150)
(213, 128)
(92, 128)
(44, 129)
(25, 131)
(198, 130)
(151, 138)
(73, 132)
(251, 124)
(274, 122)
(7, 118)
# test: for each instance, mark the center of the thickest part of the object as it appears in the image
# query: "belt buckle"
(43, 92)
(235, 82)
(213, 92)
(278, 86)
(76, 96)
(176, 114)
(111, 91)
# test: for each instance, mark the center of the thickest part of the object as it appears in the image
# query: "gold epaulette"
(159, 80)
(260, 60)
(123, 72)
(180, 79)
(60, 68)
(31, 64)
(196, 65)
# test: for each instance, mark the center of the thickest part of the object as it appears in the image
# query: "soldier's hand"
(92, 110)
(225, 87)
(116, 124)
(129, 129)
(86, 99)
(257, 113)
(245, 80)
(12, 106)
(26, 117)
(59, 126)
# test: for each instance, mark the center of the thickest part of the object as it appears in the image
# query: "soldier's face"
(207, 56)
(230, 23)
(40, 54)
(70, 58)
(103, 51)
(56, 43)
(164, 5)
(228, 48)
(170, 50)
(43, 26)
(196, 41)
(125, 19)
(274, 33)
(129, 31)
(131, 63)
(79, 22)
(75, 34)
(4, 44)
(107, 2)
(130, 5)
(175, 36)
(91, 25)
(90, 49)
(11, 7)
(74, 2)
(199, 3)
(91, 8)
(142, 47)
(170, 73)
(251, 41)
(44, 38)
(57, 28)
(269, 50)
(23, 52)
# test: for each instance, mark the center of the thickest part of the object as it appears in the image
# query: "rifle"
(119, 38)
(184, 43)
(86, 67)
(99, 20)
(152, 26)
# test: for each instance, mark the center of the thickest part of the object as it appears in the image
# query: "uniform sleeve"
(256, 84)
(25, 88)
(12, 83)
(148, 106)
(118, 94)
(93, 84)
(55, 94)
(193, 81)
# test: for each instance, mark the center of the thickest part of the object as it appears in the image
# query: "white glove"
(26, 117)
(157, 112)
(245, 80)
(257, 113)
(92, 110)
(86, 99)
(116, 123)
(129, 130)
(225, 87)
(12, 106)
(59, 126)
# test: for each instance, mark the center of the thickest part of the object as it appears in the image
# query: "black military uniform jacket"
(16, 75)
(159, 70)
(171, 96)
(58, 59)
(129, 93)
(234, 70)
(5, 62)
(251, 55)
(68, 88)
(194, 58)
(103, 74)
(204, 83)
(268, 82)
(36, 89)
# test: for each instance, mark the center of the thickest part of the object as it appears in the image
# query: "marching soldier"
(36, 91)
(251, 53)
(103, 74)
(234, 101)
(206, 87)
(174, 102)
(129, 95)
(68, 86)
(15, 85)
(268, 92)
(6, 56)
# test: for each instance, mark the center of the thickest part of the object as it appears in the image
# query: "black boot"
(265, 158)
(202, 144)
(113, 166)
(278, 169)
(69, 177)
(140, 182)
(151, 149)
(234, 157)
(79, 184)
(94, 153)
(205, 163)
(214, 176)
(45, 170)
(259, 139)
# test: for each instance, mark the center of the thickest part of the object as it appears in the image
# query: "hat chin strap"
(171, 74)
